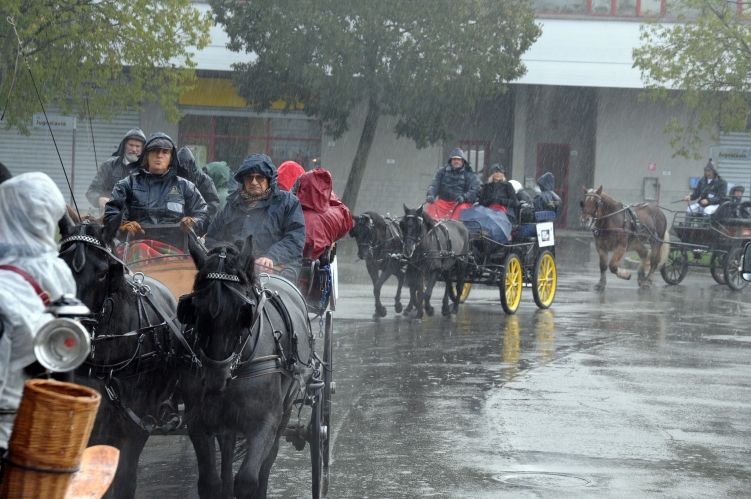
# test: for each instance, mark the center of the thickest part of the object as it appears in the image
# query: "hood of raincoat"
(258, 163)
(159, 140)
(458, 153)
(314, 191)
(133, 133)
(289, 171)
(546, 182)
(219, 173)
(186, 160)
(710, 166)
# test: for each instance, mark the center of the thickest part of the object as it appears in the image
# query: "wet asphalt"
(618, 394)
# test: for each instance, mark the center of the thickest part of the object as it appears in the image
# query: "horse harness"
(441, 253)
(631, 219)
(378, 250)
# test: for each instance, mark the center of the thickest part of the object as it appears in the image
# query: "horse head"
(414, 225)
(591, 206)
(85, 248)
(363, 232)
(222, 305)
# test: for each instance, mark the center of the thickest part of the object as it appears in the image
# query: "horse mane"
(378, 221)
(608, 200)
(428, 220)
(231, 266)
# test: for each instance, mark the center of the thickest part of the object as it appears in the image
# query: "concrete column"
(518, 160)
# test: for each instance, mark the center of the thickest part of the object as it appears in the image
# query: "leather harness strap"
(43, 295)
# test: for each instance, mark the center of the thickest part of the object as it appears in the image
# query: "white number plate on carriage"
(545, 234)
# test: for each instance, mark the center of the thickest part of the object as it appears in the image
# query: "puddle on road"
(542, 479)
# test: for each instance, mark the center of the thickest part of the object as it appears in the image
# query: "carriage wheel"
(676, 267)
(511, 284)
(465, 292)
(733, 275)
(329, 388)
(717, 266)
(315, 439)
(544, 280)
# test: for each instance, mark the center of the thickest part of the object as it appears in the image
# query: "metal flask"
(62, 344)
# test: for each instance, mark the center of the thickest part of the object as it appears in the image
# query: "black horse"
(130, 343)
(255, 347)
(434, 249)
(379, 243)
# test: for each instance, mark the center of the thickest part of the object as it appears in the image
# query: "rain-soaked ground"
(620, 394)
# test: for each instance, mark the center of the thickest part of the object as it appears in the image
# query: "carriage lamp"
(62, 344)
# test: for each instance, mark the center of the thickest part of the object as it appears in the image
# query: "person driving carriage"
(709, 194)
(498, 193)
(156, 194)
(453, 189)
(261, 208)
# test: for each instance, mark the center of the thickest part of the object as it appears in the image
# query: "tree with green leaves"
(425, 62)
(704, 63)
(97, 57)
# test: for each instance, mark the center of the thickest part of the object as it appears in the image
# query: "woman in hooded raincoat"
(30, 207)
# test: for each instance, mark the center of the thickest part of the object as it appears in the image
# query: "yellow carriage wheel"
(544, 280)
(465, 292)
(511, 284)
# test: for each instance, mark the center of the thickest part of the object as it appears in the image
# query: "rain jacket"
(220, 174)
(455, 184)
(289, 172)
(188, 169)
(501, 193)
(547, 200)
(326, 218)
(157, 199)
(30, 207)
(714, 192)
(277, 222)
(114, 169)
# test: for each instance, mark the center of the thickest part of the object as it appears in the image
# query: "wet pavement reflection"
(619, 394)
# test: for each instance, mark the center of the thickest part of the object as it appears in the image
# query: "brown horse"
(620, 228)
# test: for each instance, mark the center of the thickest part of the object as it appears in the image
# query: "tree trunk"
(352, 189)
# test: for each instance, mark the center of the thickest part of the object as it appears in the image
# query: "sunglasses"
(258, 178)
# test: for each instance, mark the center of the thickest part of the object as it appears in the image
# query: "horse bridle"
(367, 221)
(417, 240)
(598, 205)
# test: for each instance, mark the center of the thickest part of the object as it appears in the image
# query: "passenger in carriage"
(737, 208)
(188, 169)
(499, 194)
(709, 194)
(326, 218)
(289, 172)
(547, 199)
(261, 208)
(156, 194)
(122, 163)
(454, 188)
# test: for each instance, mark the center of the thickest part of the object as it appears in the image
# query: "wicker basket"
(51, 431)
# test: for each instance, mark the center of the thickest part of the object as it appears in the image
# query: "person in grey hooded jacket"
(261, 208)
(455, 182)
(122, 163)
(188, 169)
(155, 194)
(547, 200)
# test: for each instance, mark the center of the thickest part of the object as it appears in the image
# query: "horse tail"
(665, 248)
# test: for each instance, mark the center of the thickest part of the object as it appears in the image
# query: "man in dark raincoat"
(547, 200)
(122, 163)
(709, 194)
(156, 194)
(259, 207)
(454, 187)
(188, 169)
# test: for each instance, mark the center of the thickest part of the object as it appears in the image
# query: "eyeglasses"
(258, 178)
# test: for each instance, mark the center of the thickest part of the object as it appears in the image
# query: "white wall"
(629, 137)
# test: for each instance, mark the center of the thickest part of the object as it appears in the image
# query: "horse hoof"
(382, 312)
(445, 312)
(376, 317)
(416, 321)
(645, 287)
(599, 287)
(406, 312)
(398, 308)
(430, 312)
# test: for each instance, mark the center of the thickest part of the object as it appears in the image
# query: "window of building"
(620, 8)
(232, 139)
(476, 152)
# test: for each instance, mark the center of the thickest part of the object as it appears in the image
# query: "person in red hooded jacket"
(326, 218)
(288, 173)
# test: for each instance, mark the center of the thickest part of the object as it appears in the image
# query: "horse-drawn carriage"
(527, 260)
(714, 242)
(261, 323)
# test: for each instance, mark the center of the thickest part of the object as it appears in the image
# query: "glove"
(460, 200)
(187, 223)
(429, 199)
(132, 228)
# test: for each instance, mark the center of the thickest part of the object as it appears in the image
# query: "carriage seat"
(730, 213)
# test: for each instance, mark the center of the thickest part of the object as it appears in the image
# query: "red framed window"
(477, 155)
(232, 139)
(607, 8)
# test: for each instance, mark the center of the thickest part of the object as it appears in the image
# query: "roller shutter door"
(733, 159)
(36, 152)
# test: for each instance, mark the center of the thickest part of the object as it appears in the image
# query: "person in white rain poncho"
(30, 207)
